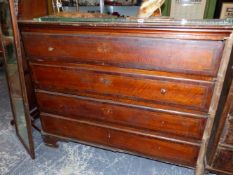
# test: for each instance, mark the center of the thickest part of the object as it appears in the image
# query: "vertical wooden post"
(201, 162)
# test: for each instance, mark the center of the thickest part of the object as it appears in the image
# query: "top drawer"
(172, 55)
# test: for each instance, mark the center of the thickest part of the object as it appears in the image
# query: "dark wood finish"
(224, 161)
(164, 149)
(50, 141)
(231, 110)
(222, 158)
(76, 107)
(229, 133)
(29, 9)
(149, 89)
(129, 86)
(196, 57)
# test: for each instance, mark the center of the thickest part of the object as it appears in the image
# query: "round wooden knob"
(163, 91)
(50, 49)
(107, 111)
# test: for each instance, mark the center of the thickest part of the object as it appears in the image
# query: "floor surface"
(69, 158)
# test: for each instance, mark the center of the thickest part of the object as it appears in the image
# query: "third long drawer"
(139, 117)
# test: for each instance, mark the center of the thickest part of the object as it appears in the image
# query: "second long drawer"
(117, 85)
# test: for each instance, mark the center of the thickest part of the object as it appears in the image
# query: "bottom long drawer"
(159, 148)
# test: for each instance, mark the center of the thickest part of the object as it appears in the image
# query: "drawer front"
(231, 108)
(224, 160)
(76, 107)
(228, 129)
(158, 148)
(229, 133)
(167, 91)
(231, 101)
(172, 55)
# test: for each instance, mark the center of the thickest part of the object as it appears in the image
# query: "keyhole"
(105, 81)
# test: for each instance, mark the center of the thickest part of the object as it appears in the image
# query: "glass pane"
(135, 20)
(17, 100)
(13, 76)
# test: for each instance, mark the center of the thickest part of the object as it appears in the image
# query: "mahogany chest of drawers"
(151, 91)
